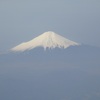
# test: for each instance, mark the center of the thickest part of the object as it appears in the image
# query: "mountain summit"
(46, 40)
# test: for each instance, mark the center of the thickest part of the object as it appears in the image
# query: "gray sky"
(22, 20)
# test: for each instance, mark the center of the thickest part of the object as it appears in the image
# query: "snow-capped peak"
(46, 40)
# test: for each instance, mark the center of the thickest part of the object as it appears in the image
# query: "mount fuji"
(46, 40)
(65, 70)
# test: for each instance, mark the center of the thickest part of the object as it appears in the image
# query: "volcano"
(70, 71)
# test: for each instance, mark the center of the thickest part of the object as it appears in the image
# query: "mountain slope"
(46, 40)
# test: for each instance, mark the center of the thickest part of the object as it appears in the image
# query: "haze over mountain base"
(58, 74)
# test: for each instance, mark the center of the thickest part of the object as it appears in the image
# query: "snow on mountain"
(46, 40)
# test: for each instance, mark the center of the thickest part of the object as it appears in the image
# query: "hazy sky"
(22, 20)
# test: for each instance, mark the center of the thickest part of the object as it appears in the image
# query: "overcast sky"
(22, 20)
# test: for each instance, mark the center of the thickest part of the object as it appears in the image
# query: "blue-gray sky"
(22, 20)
